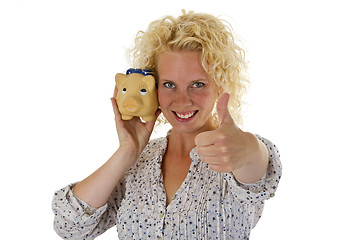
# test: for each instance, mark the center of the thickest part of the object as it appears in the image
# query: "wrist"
(126, 154)
(255, 166)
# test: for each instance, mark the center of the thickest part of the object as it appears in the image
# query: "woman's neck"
(180, 144)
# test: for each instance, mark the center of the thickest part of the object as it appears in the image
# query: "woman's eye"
(143, 92)
(198, 85)
(169, 85)
(123, 91)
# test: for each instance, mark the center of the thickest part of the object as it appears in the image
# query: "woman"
(206, 179)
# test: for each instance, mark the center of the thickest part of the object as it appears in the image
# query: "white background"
(57, 65)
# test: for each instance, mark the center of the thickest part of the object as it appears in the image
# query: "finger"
(150, 124)
(210, 160)
(209, 151)
(115, 109)
(157, 113)
(219, 168)
(222, 109)
(206, 138)
(115, 91)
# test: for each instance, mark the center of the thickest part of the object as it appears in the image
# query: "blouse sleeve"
(74, 219)
(264, 188)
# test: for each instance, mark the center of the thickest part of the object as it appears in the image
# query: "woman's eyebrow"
(165, 80)
(201, 79)
(204, 80)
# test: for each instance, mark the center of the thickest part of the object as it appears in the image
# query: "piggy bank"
(137, 94)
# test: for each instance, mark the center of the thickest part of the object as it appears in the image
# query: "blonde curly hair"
(222, 58)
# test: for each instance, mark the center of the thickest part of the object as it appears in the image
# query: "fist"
(227, 148)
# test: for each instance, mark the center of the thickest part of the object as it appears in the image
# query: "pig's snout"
(130, 105)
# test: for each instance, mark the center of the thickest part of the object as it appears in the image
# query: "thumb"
(222, 109)
(150, 124)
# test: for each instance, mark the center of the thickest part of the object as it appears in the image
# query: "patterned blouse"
(208, 205)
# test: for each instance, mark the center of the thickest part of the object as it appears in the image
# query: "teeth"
(186, 116)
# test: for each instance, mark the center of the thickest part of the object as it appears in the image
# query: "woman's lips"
(185, 116)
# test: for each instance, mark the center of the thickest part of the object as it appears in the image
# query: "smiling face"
(186, 93)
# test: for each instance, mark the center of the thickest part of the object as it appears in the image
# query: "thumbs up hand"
(228, 148)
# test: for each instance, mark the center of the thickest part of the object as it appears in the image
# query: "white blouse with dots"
(208, 205)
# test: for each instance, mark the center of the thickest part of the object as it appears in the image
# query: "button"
(272, 194)
(161, 215)
(89, 211)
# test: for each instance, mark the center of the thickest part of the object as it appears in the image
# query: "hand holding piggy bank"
(137, 94)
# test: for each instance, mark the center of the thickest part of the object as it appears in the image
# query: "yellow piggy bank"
(137, 94)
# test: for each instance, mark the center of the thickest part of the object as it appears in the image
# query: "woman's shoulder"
(156, 144)
(149, 156)
(153, 149)
(158, 140)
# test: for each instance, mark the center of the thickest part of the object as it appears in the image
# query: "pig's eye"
(123, 91)
(143, 91)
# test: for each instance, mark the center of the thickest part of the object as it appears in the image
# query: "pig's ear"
(119, 78)
(149, 80)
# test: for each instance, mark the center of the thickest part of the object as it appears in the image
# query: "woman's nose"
(183, 98)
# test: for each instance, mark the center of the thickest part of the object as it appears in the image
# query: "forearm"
(254, 169)
(96, 188)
